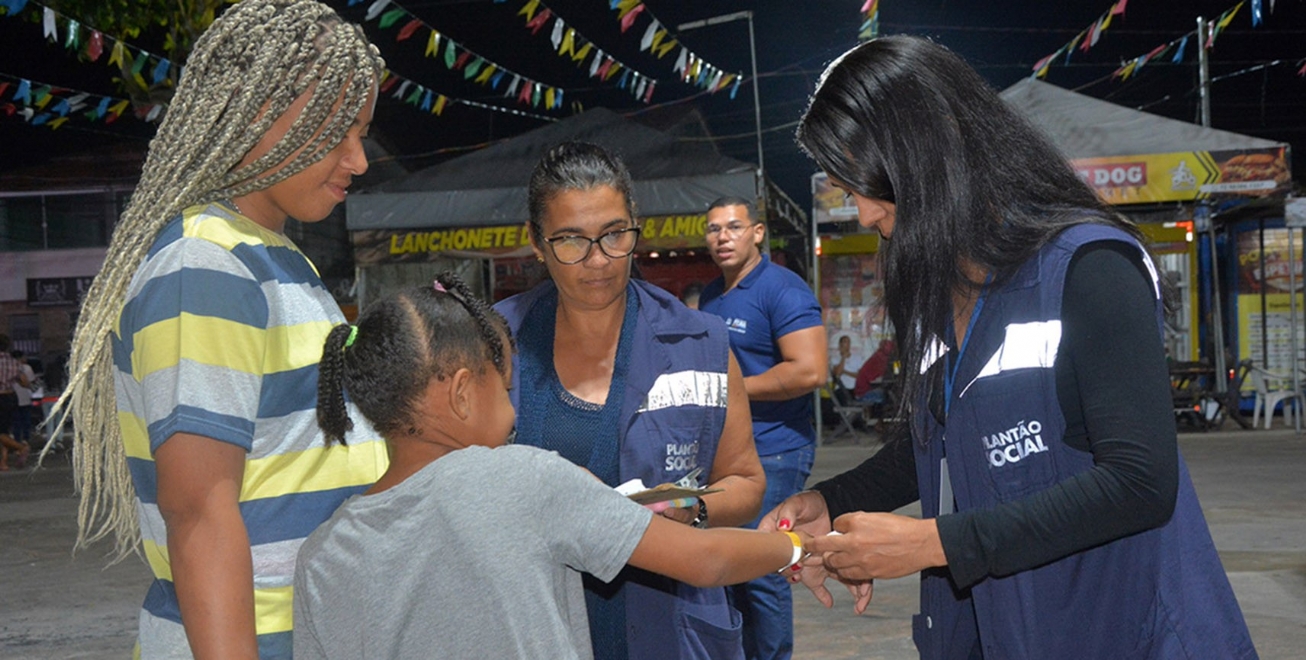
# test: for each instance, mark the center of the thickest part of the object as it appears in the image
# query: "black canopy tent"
(1085, 127)
(487, 189)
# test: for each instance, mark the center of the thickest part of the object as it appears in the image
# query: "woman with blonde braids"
(194, 366)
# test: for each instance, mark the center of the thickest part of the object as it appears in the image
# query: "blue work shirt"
(768, 303)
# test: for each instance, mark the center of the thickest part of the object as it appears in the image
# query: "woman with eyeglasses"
(619, 377)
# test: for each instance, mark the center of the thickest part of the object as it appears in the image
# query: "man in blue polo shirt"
(779, 339)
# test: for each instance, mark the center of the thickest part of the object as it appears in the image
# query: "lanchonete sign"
(377, 246)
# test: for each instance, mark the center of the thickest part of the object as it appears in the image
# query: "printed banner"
(377, 246)
(1273, 281)
(829, 205)
(1186, 175)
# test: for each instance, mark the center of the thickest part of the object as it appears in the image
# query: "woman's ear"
(460, 394)
(535, 247)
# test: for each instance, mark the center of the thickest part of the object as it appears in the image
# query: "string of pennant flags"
(150, 69)
(413, 93)
(657, 40)
(457, 57)
(568, 42)
(30, 99)
(1206, 41)
(43, 104)
(1088, 37)
(95, 43)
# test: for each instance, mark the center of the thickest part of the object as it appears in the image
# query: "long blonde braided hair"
(245, 71)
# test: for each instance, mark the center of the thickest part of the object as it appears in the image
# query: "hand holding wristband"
(798, 552)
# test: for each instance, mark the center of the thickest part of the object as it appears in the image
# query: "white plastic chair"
(1271, 388)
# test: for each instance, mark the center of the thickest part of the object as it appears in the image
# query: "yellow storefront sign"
(480, 238)
(669, 232)
(1185, 175)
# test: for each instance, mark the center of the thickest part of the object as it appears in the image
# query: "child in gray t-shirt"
(467, 548)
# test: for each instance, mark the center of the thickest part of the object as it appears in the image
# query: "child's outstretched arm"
(713, 557)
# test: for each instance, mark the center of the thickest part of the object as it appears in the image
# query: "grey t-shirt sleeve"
(590, 527)
(306, 644)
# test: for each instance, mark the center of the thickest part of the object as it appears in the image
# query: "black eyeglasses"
(575, 249)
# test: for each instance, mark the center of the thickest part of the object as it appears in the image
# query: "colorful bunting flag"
(409, 28)
(390, 18)
(870, 27)
(1179, 54)
(646, 41)
(116, 58)
(1041, 66)
(628, 19)
(538, 22)
(74, 35)
(376, 9)
(161, 71)
(95, 45)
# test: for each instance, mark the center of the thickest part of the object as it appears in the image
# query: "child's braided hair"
(399, 344)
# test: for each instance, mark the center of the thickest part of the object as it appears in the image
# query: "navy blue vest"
(672, 416)
(1161, 593)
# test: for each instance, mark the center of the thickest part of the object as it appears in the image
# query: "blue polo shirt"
(769, 303)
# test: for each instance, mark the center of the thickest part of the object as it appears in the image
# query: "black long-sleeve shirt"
(1114, 391)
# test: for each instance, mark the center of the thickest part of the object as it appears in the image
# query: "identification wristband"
(798, 551)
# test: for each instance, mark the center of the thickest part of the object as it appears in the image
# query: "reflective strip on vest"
(933, 353)
(687, 388)
(1025, 346)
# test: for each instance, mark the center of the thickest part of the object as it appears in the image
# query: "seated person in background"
(868, 388)
(466, 548)
(839, 371)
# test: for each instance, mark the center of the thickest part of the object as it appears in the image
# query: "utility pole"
(1204, 215)
(757, 103)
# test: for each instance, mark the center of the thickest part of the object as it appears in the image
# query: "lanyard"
(946, 502)
(950, 375)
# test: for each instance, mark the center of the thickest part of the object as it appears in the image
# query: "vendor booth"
(470, 213)
(1188, 187)
(1222, 189)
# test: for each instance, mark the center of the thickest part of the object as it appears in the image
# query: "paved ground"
(1252, 484)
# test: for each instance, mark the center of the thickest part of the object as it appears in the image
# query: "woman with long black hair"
(1058, 519)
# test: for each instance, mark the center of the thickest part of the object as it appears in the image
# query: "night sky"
(1251, 94)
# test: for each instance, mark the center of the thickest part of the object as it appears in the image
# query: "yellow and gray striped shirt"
(221, 337)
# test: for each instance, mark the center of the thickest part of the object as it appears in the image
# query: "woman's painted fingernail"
(785, 524)
(796, 567)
